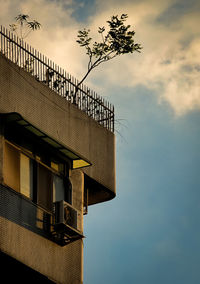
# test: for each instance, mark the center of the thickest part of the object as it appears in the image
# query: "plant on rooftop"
(23, 26)
(118, 40)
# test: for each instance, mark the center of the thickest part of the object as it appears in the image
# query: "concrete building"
(57, 157)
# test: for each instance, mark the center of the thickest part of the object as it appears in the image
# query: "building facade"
(57, 157)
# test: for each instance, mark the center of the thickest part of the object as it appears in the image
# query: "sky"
(150, 233)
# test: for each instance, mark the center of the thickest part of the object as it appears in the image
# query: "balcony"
(20, 210)
(58, 80)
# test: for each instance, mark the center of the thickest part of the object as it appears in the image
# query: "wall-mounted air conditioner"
(67, 218)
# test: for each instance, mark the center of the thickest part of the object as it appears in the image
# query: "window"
(62, 189)
(58, 188)
(38, 177)
(44, 187)
(26, 176)
(11, 167)
(18, 170)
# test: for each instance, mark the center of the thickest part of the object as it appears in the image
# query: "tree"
(23, 26)
(118, 40)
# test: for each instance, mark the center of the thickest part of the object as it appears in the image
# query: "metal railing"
(65, 85)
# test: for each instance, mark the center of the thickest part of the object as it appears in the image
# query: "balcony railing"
(18, 209)
(65, 85)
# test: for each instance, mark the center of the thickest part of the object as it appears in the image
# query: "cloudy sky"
(150, 233)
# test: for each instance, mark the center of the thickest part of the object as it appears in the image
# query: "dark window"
(44, 187)
(68, 186)
(40, 178)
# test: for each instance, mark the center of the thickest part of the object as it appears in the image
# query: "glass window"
(58, 189)
(12, 167)
(42, 183)
(44, 187)
(68, 197)
(26, 176)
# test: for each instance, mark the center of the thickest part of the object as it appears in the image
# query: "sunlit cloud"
(170, 60)
(57, 37)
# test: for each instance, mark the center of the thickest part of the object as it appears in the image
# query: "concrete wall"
(60, 264)
(1, 150)
(77, 180)
(21, 93)
(52, 114)
(63, 265)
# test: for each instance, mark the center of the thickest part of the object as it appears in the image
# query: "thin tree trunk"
(77, 86)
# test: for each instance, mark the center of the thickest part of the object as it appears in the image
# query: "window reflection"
(58, 189)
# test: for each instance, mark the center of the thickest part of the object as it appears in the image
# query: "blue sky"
(150, 233)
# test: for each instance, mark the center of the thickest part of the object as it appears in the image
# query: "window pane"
(68, 190)
(26, 176)
(11, 167)
(58, 189)
(44, 187)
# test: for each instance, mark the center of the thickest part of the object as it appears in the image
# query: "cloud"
(170, 60)
(57, 37)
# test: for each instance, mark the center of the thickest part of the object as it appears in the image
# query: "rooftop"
(57, 79)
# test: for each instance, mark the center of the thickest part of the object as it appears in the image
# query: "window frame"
(37, 162)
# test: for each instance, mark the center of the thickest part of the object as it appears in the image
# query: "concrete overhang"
(77, 160)
(62, 121)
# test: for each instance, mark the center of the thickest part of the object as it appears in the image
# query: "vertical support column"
(1, 148)
(77, 180)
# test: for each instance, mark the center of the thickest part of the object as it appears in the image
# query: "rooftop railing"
(65, 85)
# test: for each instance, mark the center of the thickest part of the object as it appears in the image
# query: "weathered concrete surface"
(1, 149)
(21, 93)
(61, 264)
(77, 180)
(35, 102)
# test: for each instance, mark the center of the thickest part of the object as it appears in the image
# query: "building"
(57, 157)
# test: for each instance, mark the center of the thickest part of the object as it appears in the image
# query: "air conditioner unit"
(67, 218)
